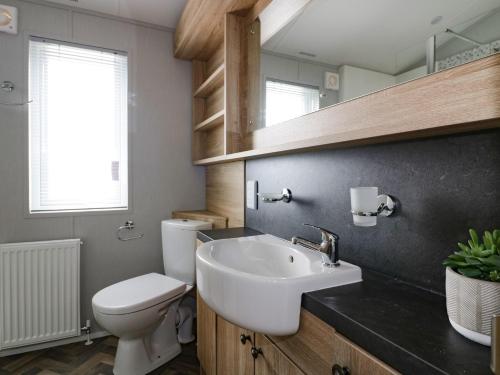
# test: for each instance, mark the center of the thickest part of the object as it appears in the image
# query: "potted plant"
(473, 286)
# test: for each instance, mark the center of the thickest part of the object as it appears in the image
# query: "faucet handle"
(325, 233)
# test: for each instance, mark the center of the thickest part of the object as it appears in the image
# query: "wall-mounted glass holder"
(387, 206)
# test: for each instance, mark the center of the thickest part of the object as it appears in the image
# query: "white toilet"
(144, 311)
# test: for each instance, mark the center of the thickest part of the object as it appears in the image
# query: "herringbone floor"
(96, 359)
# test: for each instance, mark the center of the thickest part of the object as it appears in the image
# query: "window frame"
(28, 214)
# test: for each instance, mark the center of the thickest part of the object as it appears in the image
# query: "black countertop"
(402, 325)
(220, 234)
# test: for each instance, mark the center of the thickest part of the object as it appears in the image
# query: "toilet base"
(132, 359)
(136, 356)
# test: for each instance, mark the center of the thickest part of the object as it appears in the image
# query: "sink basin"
(257, 282)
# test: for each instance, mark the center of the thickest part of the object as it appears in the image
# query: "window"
(78, 128)
(285, 101)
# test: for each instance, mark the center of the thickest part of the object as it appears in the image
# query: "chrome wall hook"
(285, 196)
(7, 86)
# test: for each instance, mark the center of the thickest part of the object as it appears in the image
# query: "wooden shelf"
(213, 82)
(211, 122)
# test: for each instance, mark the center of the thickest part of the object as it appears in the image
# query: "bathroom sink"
(257, 282)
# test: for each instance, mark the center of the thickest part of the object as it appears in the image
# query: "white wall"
(163, 178)
(421, 71)
(355, 82)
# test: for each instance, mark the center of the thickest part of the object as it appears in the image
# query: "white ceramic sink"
(257, 282)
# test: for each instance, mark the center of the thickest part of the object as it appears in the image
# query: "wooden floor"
(98, 358)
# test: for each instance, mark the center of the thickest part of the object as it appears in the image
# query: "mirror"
(330, 51)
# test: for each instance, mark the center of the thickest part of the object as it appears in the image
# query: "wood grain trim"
(461, 99)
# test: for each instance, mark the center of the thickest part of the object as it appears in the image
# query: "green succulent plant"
(476, 259)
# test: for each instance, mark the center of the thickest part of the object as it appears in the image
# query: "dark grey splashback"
(445, 185)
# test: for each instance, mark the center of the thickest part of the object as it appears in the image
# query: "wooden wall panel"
(213, 142)
(215, 102)
(225, 191)
(216, 60)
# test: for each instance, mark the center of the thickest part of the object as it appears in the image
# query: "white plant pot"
(471, 304)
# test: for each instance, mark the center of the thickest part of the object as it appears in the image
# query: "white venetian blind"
(285, 101)
(78, 127)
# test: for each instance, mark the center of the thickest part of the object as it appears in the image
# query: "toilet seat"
(137, 294)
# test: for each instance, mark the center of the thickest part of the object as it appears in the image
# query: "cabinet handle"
(339, 370)
(255, 352)
(244, 338)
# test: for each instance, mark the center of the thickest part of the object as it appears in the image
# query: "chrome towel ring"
(129, 225)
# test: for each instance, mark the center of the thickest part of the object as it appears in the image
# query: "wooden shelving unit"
(221, 90)
(226, 72)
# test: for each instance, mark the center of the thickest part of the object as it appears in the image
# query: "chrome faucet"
(329, 245)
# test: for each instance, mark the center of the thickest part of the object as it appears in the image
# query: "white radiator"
(39, 292)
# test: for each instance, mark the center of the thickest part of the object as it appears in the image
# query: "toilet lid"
(137, 294)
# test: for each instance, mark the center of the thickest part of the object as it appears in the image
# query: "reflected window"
(285, 101)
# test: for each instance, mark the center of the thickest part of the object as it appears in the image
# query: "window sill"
(73, 213)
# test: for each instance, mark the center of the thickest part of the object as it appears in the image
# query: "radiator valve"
(87, 329)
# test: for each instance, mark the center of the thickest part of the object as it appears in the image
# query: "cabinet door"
(359, 362)
(206, 334)
(271, 361)
(311, 347)
(234, 346)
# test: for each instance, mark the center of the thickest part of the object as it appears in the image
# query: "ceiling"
(164, 13)
(383, 35)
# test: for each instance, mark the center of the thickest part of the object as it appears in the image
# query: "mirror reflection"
(331, 51)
